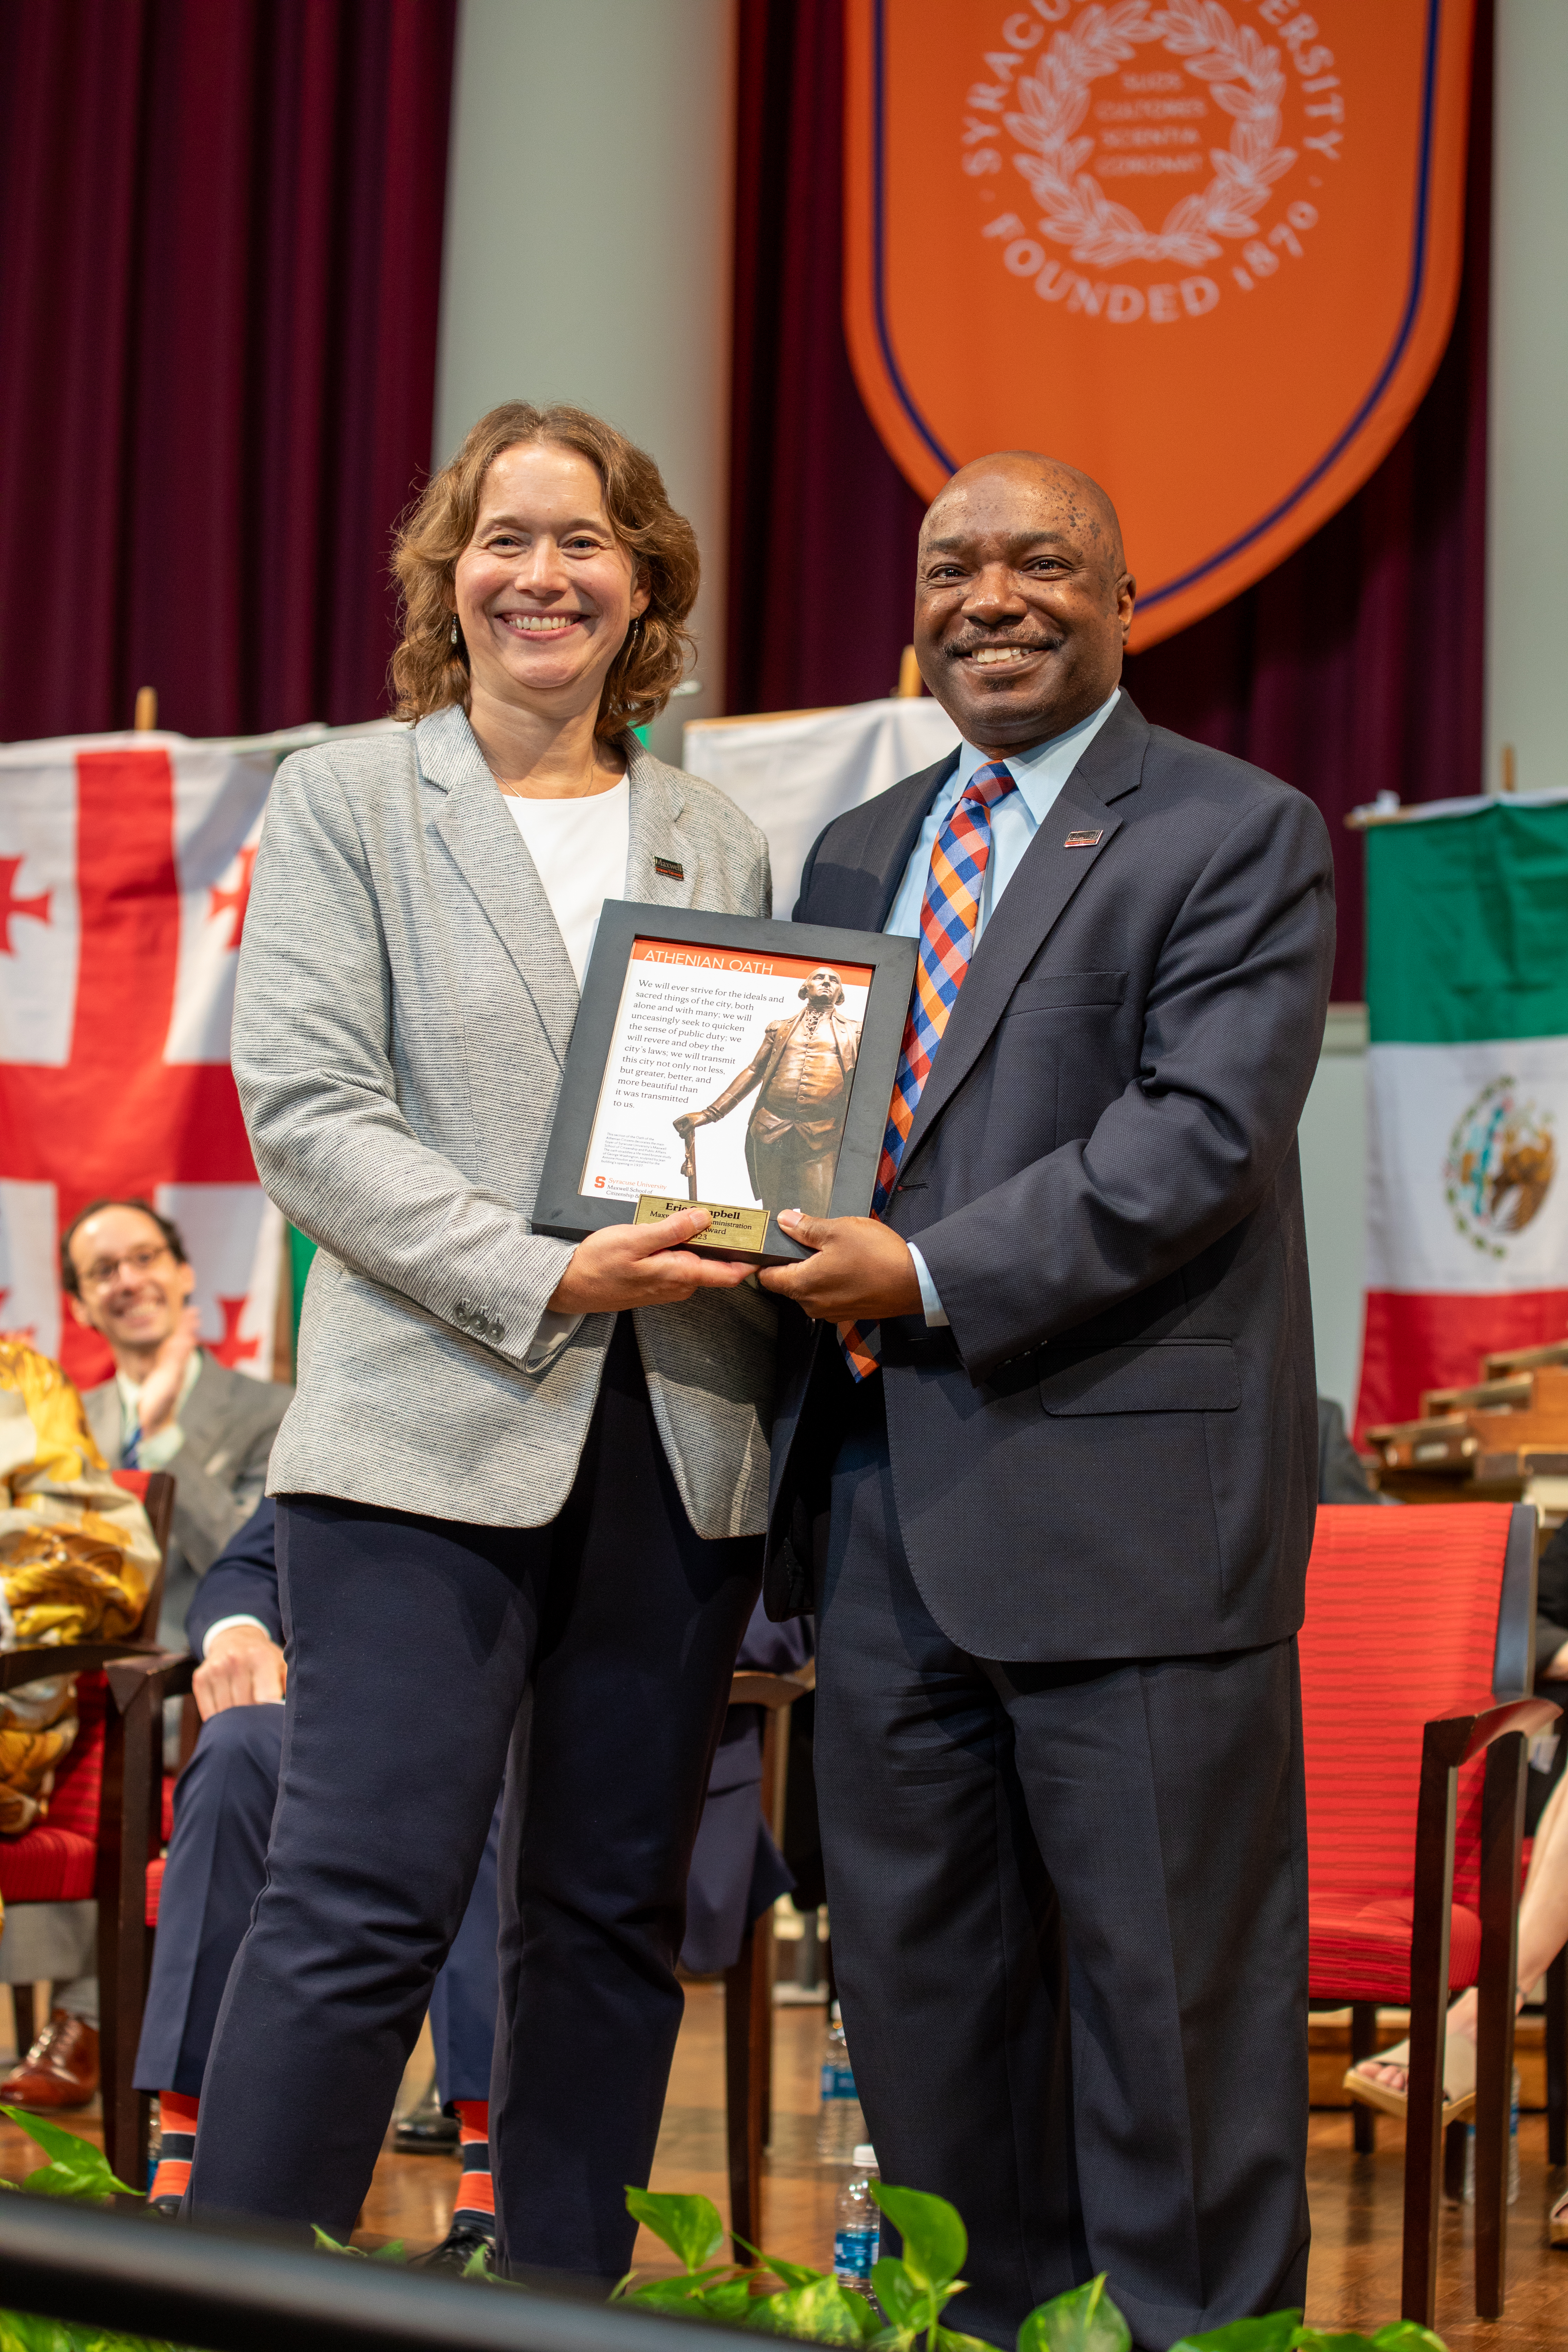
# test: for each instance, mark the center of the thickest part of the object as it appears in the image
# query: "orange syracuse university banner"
(1207, 250)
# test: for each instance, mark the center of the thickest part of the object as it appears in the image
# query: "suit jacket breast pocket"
(1171, 1376)
(1068, 992)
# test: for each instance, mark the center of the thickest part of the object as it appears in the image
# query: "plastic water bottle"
(1512, 2151)
(858, 2224)
(841, 2126)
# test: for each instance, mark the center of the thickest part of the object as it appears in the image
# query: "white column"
(1527, 522)
(588, 245)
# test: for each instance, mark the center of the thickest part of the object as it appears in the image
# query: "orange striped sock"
(176, 2143)
(476, 2197)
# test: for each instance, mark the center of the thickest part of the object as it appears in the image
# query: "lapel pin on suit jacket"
(667, 867)
(1083, 840)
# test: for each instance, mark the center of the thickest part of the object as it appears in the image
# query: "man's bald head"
(1078, 495)
(1022, 599)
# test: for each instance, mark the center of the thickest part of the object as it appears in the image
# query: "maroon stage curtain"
(220, 249)
(1353, 669)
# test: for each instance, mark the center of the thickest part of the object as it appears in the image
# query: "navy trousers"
(224, 1803)
(1069, 1930)
(590, 1660)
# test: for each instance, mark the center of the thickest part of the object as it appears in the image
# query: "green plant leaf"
(691, 2283)
(733, 2298)
(1083, 2320)
(392, 2252)
(478, 2265)
(680, 2294)
(822, 2313)
(100, 2340)
(27, 2331)
(1407, 2335)
(909, 2304)
(688, 2226)
(935, 2240)
(326, 2245)
(949, 2340)
(792, 2274)
(1276, 2333)
(76, 2170)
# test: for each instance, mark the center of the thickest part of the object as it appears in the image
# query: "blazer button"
(498, 1332)
(462, 1310)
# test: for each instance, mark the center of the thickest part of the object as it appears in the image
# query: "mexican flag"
(1466, 1093)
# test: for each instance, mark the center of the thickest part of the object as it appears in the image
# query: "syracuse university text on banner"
(1207, 250)
(1467, 988)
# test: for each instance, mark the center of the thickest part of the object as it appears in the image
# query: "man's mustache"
(982, 645)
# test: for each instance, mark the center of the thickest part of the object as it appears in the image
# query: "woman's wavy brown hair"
(430, 671)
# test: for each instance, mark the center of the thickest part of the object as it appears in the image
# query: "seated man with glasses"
(169, 1406)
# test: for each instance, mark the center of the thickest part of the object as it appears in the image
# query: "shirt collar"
(131, 1390)
(1041, 771)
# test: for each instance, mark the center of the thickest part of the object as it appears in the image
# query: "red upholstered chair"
(1416, 1661)
(78, 1851)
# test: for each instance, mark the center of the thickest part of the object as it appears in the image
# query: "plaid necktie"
(948, 913)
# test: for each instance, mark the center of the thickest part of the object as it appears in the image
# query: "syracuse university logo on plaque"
(1206, 250)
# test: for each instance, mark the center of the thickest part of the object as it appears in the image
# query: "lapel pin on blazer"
(1083, 840)
(667, 867)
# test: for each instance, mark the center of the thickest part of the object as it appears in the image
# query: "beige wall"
(1527, 581)
(588, 244)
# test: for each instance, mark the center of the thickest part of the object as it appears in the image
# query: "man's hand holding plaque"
(859, 1271)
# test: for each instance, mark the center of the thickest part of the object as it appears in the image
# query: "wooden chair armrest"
(171, 1670)
(33, 1665)
(748, 1687)
(1448, 1742)
(1454, 1738)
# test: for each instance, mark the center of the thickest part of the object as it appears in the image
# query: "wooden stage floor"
(1356, 2200)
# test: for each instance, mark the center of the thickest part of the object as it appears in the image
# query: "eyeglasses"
(105, 1270)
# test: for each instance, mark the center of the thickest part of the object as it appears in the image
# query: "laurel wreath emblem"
(1243, 77)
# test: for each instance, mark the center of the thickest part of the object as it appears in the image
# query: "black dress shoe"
(426, 2134)
(457, 2249)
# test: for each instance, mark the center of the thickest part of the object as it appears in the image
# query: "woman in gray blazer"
(522, 1484)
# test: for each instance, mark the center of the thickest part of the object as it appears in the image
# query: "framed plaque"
(717, 1060)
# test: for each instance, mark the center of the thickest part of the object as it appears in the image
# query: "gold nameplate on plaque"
(738, 1233)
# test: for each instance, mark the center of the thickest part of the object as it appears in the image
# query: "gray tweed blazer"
(404, 1007)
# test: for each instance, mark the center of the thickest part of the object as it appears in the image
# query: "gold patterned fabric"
(77, 1562)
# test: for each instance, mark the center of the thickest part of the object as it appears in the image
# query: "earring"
(454, 629)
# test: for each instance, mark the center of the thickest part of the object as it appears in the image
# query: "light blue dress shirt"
(1039, 773)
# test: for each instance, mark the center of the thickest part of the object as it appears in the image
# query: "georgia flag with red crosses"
(125, 865)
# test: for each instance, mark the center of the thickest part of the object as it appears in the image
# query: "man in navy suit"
(1050, 1482)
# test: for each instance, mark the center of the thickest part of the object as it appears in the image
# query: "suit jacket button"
(462, 1310)
(498, 1332)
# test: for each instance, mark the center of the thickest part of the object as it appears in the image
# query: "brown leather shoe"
(60, 2070)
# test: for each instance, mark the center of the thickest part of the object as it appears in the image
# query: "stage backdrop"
(794, 775)
(220, 253)
(1209, 252)
(124, 870)
(1467, 1093)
